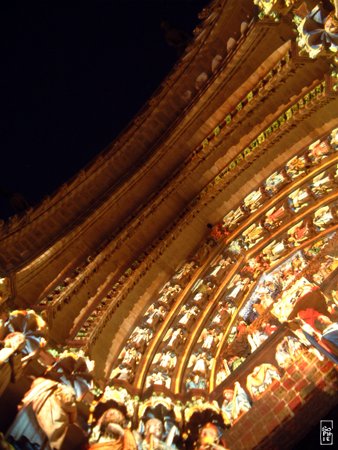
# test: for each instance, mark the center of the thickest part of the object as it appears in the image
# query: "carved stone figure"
(158, 378)
(154, 316)
(189, 313)
(130, 357)
(153, 436)
(233, 218)
(13, 342)
(237, 285)
(209, 438)
(140, 337)
(287, 351)
(175, 337)
(318, 150)
(274, 217)
(166, 360)
(183, 275)
(219, 268)
(123, 373)
(111, 433)
(275, 182)
(298, 199)
(235, 403)
(252, 235)
(296, 166)
(200, 363)
(274, 250)
(10, 358)
(323, 217)
(47, 410)
(299, 233)
(196, 381)
(260, 379)
(254, 200)
(208, 338)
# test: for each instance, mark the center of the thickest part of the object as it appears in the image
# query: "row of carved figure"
(50, 407)
(321, 185)
(283, 286)
(142, 335)
(82, 273)
(165, 359)
(274, 297)
(298, 166)
(69, 280)
(87, 326)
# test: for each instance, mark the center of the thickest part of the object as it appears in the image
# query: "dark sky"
(73, 74)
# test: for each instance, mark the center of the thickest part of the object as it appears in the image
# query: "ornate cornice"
(311, 101)
(281, 70)
(320, 94)
(283, 63)
(95, 183)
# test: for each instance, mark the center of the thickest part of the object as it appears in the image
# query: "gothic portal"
(195, 261)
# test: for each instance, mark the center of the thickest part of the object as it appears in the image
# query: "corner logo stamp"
(326, 432)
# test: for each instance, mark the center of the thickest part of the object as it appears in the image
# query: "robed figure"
(46, 412)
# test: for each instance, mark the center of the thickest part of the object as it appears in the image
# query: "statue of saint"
(111, 433)
(47, 410)
(209, 438)
(153, 435)
(235, 403)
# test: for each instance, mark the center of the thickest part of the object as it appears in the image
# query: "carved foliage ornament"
(318, 32)
(274, 7)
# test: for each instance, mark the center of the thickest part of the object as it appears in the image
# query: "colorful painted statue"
(209, 438)
(260, 379)
(235, 404)
(153, 436)
(287, 351)
(47, 410)
(111, 433)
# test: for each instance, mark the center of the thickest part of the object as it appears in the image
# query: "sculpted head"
(209, 434)
(154, 427)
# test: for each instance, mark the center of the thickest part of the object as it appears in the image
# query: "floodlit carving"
(318, 33)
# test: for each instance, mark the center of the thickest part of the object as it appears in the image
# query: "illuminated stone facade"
(183, 258)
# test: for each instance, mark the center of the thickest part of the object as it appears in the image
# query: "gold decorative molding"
(279, 71)
(310, 101)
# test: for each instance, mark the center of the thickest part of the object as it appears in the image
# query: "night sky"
(73, 75)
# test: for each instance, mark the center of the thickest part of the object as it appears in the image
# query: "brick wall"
(288, 409)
